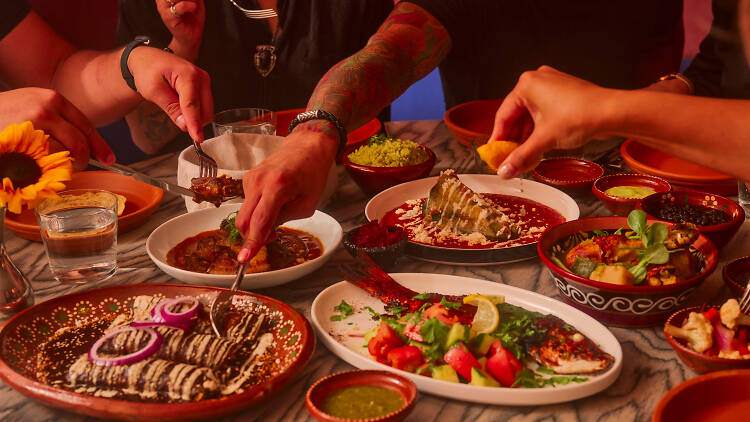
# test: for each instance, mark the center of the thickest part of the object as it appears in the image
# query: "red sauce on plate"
(531, 216)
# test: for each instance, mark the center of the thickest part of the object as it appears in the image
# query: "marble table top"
(650, 367)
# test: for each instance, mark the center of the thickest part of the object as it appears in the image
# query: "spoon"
(223, 301)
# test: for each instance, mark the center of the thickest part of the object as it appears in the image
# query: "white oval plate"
(174, 231)
(346, 341)
(482, 183)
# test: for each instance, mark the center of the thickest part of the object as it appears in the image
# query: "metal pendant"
(264, 59)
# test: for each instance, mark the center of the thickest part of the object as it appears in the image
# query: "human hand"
(178, 87)
(285, 186)
(546, 110)
(185, 24)
(67, 127)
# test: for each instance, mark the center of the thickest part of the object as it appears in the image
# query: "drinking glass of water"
(79, 230)
(245, 120)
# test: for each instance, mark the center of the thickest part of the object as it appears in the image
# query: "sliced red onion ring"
(191, 312)
(183, 327)
(162, 314)
(151, 347)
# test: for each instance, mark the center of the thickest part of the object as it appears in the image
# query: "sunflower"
(28, 171)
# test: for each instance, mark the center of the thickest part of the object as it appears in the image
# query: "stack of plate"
(680, 173)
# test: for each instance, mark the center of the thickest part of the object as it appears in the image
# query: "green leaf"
(227, 225)
(637, 221)
(584, 267)
(434, 331)
(545, 370)
(423, 296)
(559, 263)
(395, 310)
(372, 312)
(344, 309)
(655, 254)
(598, 232)
(450, 305)
(658, 233)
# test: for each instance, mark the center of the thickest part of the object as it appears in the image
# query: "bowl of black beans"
(717, 217)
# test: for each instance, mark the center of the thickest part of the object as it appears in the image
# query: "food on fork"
(216, 189)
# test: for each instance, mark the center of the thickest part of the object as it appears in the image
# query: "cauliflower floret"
(731, 316)
(697, 331)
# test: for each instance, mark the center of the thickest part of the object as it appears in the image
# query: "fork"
(256, 14)
(208, 166)
(745, 301)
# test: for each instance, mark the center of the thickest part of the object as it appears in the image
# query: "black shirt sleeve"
(13, 12)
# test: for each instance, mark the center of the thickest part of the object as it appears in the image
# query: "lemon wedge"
(494, 153)
(487, 317)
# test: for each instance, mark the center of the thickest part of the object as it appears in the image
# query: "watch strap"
(322, 115)
(138, 41)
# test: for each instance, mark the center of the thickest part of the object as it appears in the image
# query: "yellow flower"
(28, 171)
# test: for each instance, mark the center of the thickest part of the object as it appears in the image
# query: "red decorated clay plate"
(22, 335)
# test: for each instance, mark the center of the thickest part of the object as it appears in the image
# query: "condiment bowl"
(284, 119)
(325, 386)
(472, 119)
(617, 305)
(719, 396)
(385, 256)
(736, 275)
(373, 180)
(720, 234)
(699, 362)
(619, 205)
(573, 175)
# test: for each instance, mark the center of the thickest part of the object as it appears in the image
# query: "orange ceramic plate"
(21, 336)
(644, 159)
(719, 396)
(142, 201)
(285, 117)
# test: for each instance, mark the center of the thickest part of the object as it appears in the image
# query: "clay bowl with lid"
(719, 234)
(619, 205)
(373, 179)
(318, 392)
(573, 175)
(699, 362)
(614, 304)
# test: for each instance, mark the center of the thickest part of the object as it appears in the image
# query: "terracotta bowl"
(285, 117)
(22, 335)
(573, 175)
(700, 362)
(385, 256)
(373, 180)
(719, 396)
(736, 274)
(325, 386)
(623, 206)
(469, 120)
(622, 306)
(720, 234)
(142, 201)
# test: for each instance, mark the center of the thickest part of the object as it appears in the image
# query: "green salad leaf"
(227, 224)
(345, 310)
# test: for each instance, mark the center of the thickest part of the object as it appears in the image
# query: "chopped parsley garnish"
(434, 333)
(516, 324)
(450, 305)
(344, 310)
(423, 296)
(395, 310)
(227, 224)
(373, 314)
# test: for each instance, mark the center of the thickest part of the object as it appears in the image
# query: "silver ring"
(170, 3)
(174, 11)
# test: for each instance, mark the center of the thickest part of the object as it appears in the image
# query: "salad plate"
(521, 191)
(345, 337)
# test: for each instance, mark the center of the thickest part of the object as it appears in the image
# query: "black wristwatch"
(137, 42)
(322, 115)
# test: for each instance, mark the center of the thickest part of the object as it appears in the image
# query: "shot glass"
(79, 230)
(743, 195)
(245, 120)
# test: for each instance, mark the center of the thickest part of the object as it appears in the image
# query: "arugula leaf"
(423, 296)
(373, 314)
(344, 309)
(658, 233)
(637, 222)
(450, 305)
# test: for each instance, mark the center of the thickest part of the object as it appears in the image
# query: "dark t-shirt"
(12, 12)
(494, 41)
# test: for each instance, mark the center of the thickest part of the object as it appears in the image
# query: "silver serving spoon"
(223, 301)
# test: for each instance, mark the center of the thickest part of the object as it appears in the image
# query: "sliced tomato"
(461, 360)
(497, 347)
(384, 340)
(407, 358)
(412, 331)
(502, 365)
(439, 312)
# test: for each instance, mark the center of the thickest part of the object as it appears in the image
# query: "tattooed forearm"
(150, 127)
(408, 45)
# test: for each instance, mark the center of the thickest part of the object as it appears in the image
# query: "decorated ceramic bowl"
(319, 391)
(618, 204)
(472, 119)
(385, 256)
(699, 362)
(569, 174)
(720, 234)
(617, 305)
(22, 336)
(374, 180)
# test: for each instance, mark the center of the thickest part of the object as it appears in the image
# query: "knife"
(127, 171)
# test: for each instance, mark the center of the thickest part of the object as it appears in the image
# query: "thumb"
(509, 115)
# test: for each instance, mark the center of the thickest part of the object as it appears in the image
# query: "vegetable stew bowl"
(373, 180)
(719, 234)
(622, 306)
(700, 362)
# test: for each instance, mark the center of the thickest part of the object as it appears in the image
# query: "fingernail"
(180, 121)
(507, 171)
(244, 255)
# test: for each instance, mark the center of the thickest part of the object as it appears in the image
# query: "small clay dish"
(699, 362)
(720, 234)
(619, 205)
(325, 386)
(384, 256)
(736, 275)
(572, 175)
(720, 396)
(373, 180)
(468, 120)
